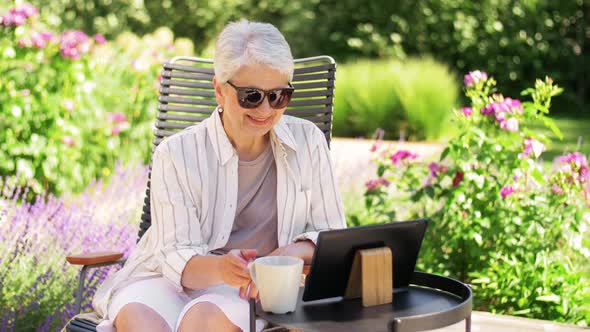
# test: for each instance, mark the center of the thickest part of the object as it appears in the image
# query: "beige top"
(255, 226)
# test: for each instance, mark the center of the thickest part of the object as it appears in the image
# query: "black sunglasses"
(249, 97)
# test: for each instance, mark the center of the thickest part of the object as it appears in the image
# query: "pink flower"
(116, 117)
(73, 44)
(532, 146)
(510, 125)
(17, 16)
(435, 169)
(557, 189)
(402, 155)
(99, 39)
(27, 10)
(576, 164)
(69, 105)
(467, 111)
(67, 140)
(474, 77)
(506, 191)
(40, 39)
(376, 184)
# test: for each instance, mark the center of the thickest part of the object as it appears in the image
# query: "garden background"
(507, 186)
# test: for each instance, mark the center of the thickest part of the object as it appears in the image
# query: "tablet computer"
(335, 250)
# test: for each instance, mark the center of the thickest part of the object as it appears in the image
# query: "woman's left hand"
(301, 249)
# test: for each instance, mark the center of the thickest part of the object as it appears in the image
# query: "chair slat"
(186, 84)
(306, 111)
(313, 77)
(313, 93)
(165, 88)
(191, 76)
(181, 92)
(188, 109)
(313, 69)
(191, 69)
(165, 133)
(180, 117)
(311, 102)
(314, 85)
(173, 125)
(194, 101)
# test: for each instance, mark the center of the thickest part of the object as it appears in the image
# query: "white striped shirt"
(194, 186)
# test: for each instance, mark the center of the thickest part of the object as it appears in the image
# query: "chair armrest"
(94, 258)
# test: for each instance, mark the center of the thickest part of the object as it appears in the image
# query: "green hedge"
(412, 98)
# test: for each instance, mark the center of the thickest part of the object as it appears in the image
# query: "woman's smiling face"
(256, 122)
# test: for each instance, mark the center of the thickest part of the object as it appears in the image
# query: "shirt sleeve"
(326, 210)
(175, 215)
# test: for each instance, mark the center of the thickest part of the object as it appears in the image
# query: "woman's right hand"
(233, 267)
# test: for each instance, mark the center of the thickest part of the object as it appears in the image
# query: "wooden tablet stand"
(371, 277)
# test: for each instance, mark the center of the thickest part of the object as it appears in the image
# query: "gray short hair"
(247, 43)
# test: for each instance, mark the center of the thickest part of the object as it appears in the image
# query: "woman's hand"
(234, 271)
(301, 249)
(233, 267)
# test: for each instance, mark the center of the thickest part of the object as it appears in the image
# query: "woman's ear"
(218, 91)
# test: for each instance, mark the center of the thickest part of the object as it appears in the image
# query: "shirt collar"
(223, 147)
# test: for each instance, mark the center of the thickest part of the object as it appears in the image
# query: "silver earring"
(220, 109)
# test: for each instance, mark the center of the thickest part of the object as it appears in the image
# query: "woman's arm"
(205, 271)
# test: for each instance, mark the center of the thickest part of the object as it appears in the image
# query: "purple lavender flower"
(402, 155)
(506, 191)
(474, 77)
(103, 216)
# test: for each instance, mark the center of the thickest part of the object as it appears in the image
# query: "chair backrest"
(187, 98)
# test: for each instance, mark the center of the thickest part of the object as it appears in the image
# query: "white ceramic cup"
(277, 279)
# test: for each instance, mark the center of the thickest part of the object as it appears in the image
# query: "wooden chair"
(186, 98)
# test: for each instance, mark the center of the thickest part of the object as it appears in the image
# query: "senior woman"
(246, 182)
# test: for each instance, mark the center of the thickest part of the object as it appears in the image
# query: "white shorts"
(161, 296)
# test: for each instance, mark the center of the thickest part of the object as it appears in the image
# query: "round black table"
(430, 302)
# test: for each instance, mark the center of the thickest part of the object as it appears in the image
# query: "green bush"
(72, 105)
(512, 40)
(517, 233)
(410, 98)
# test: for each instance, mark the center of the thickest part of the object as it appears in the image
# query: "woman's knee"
(208, 317)
(139, 317)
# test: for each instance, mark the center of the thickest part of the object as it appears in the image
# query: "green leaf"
(538, 176)
(381, 170)
(429, 191)
(444, 154)
(551, 125)
(549, 298)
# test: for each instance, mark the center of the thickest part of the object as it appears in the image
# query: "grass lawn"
(576, 137)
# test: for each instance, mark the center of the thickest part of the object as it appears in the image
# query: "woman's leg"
(206, 316)
(139, 317)
(147, 305)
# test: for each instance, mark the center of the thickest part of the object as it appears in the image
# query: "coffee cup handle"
(252, 270)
